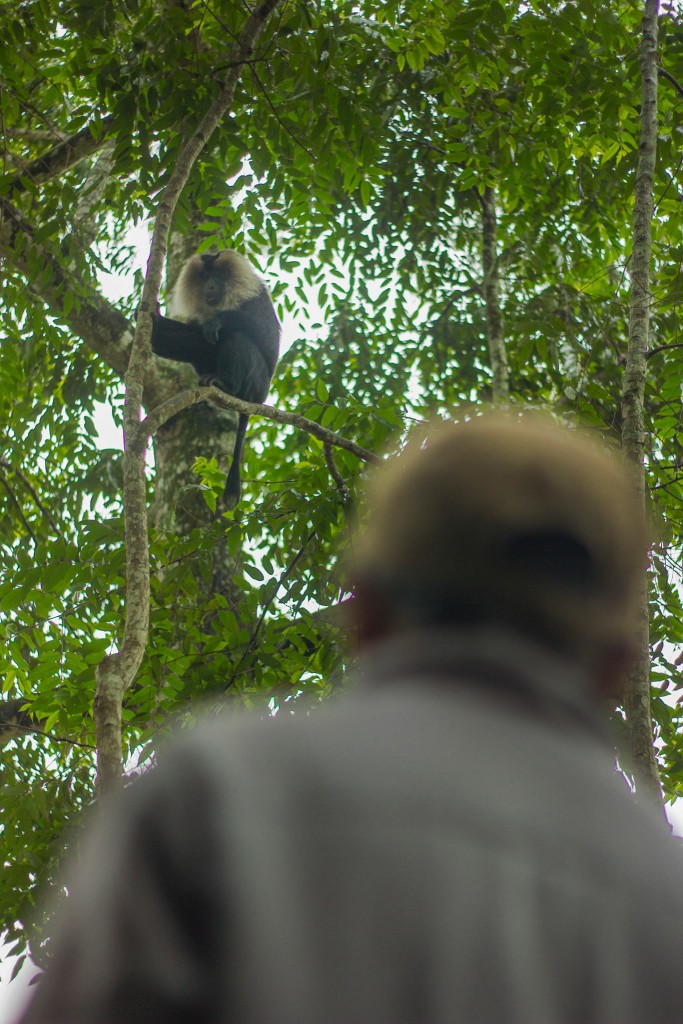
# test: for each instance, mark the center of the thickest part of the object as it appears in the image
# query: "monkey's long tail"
(233, 485)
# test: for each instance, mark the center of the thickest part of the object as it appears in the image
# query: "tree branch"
(663, 348)
(13, 719)
(344, 493)
(184, 399)
(64, 155)
(20, 512)
(92, 318)
(38, 134)
(32, 491)
(95, 321)
(670, 78)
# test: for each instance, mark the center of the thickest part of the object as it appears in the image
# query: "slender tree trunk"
(494, 317)
(116, 672)
(637, 698)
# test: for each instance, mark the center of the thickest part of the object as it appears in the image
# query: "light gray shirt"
(447, 844)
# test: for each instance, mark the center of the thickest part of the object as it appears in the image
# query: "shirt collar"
(492, 659)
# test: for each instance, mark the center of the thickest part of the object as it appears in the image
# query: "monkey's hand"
(210, 380)
(211, 328)
(157, 312)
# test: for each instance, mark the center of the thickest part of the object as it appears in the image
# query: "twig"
(663, 348)
(13, 499)
(282, 124)
(267, 603)
(53, 736)
(29, 487)
(344, 492)
(670, 78)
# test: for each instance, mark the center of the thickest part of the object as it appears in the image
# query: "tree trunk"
(494, 317)
(637, 697)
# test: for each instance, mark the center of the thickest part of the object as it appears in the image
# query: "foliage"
(350, 169)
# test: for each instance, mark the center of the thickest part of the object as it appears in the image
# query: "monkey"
(224, 324)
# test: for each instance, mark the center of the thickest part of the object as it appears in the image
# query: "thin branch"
(13, 718)
(667, 483)
(184, 399)
(662, 348)
(13, 499)
(344, 492)
(267, 603)
(282, 124)
(671, 183)
(54, 737)
(222, 25)
(246, 63)
(29, 487)
(670, 78)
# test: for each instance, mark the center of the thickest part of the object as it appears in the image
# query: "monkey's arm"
(186, 343)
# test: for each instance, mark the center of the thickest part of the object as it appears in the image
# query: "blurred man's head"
(504, 520)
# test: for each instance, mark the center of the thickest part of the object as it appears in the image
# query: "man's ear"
(368, 616)
(610, 670)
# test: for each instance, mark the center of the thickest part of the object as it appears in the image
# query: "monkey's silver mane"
(241, 284)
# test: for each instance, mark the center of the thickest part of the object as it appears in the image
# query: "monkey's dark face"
(213, 282)
(214, 290)
(214, 275)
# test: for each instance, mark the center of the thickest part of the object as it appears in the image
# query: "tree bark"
(64, 155)
(637, 697)
(494, 318)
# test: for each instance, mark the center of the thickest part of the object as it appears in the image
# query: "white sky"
(14, 995)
